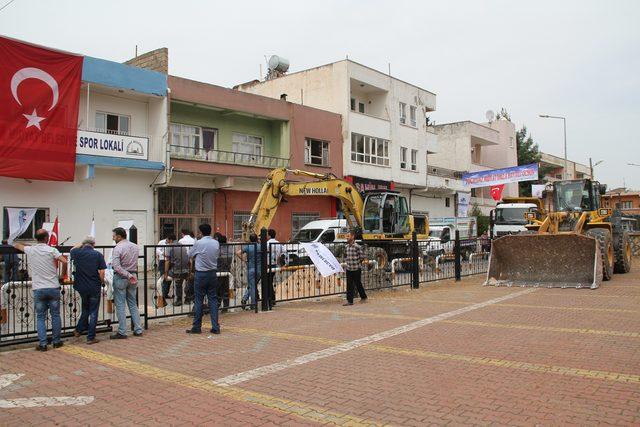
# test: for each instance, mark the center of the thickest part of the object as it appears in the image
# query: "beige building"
(556, 164)
(469, 146)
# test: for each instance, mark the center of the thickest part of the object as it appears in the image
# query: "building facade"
(223, 143)
(384, 122)
(470, 147)
(628, 201)
(120, 106)
(556, 168)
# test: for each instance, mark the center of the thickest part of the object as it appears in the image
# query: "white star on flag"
(33, 119)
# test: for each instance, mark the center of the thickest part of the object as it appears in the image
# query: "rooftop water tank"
(278, 63)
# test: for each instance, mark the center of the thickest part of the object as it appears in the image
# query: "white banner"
(19, 220)
(463, 204)
(537, 189)
(108, 145)
(322, 258)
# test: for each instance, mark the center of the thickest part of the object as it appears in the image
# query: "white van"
(509, 218)
(322, 231)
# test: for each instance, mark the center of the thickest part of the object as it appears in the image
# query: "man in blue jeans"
(45, 283)
(88, 277)
(124, 260)
(204, 259)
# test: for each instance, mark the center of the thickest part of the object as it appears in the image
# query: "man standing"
(125, 283)
(46, 286)
(177, 266)
(204, 258)
(354, 258)
(160, 257)
(88, 277)
(275, 252)
(187, 239)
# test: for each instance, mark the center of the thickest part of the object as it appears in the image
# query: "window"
(403, 113)
(558, 176)
(412, 116)
(299, 220)
(361, 107)
(510, 142)
(41, 216)
(316, 152)
(403, 157)
(185, 139)
(248, 146)
(627, 205)
(238, 219)
(414, 160)
(447, 202)
(353, 104)
(112, 123)
(180, 208)
(367, 149)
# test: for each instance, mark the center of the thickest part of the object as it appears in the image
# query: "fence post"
(415, 256)
(264, 286)
(146, 287)
(458, 256)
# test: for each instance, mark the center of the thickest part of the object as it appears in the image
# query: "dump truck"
(577, 244)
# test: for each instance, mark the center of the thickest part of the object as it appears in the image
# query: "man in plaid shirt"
(354, 258)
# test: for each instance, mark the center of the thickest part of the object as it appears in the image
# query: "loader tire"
(622, 249)
(606, 250)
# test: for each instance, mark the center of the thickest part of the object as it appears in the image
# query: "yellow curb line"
(299, 409)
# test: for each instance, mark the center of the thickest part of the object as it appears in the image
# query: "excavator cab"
(385, 212)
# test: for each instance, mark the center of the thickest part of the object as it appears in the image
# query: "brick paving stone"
(549, 357)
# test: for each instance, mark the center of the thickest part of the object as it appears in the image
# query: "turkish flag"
(39, 101)
(496, 191)
(53, 236)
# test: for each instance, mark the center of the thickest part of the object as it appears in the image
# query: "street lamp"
(564, 121)
(593, 165)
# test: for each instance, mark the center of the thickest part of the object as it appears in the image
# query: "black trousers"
(272, 286)
(354, 281)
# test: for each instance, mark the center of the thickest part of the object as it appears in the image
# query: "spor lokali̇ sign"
(501, 176)
(108, 145)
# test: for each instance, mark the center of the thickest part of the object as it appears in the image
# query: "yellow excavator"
(380, 215)
(578, 244)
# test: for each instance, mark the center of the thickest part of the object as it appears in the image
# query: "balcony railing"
(229, 157)
(444, 173)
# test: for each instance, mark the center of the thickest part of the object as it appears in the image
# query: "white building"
(118, 103)
(385, 132)
(471, 147)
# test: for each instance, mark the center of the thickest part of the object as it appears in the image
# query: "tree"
(528, 152)
(481, 220)
(503, 114)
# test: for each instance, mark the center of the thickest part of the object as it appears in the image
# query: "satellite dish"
(490, 115)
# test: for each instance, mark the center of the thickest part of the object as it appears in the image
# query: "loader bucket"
(545, 260)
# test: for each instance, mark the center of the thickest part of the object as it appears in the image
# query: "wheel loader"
(576, 244)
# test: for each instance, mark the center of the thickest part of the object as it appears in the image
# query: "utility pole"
(564, 123)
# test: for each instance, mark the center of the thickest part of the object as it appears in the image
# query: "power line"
(8, 3)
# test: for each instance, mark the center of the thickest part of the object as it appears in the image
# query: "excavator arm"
(276, 187)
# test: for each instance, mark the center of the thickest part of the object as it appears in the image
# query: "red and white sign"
(39, 100)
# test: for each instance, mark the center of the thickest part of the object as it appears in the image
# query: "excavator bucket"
(545, 260)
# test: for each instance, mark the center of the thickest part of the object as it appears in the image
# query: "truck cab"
(509, 218)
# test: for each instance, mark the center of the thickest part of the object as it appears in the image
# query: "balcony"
(227, 157)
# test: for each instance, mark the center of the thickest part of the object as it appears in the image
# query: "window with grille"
(299, 220)
(238, 219)
(41, 216)
(367, 149)
(316, 152)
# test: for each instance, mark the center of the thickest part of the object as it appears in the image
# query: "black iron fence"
(250, 276)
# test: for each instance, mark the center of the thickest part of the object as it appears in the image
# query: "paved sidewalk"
(455, 353)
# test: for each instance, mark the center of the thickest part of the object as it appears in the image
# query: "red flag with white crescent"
(39, 101)
(53, 236)
(496, 191)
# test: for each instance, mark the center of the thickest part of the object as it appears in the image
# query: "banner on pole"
(323, 259)
(501, 176)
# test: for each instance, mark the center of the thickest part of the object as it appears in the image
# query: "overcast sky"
(580, 59)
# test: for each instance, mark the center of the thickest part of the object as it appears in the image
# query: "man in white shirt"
(275, 253)
(45, 283)
(186, 239)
